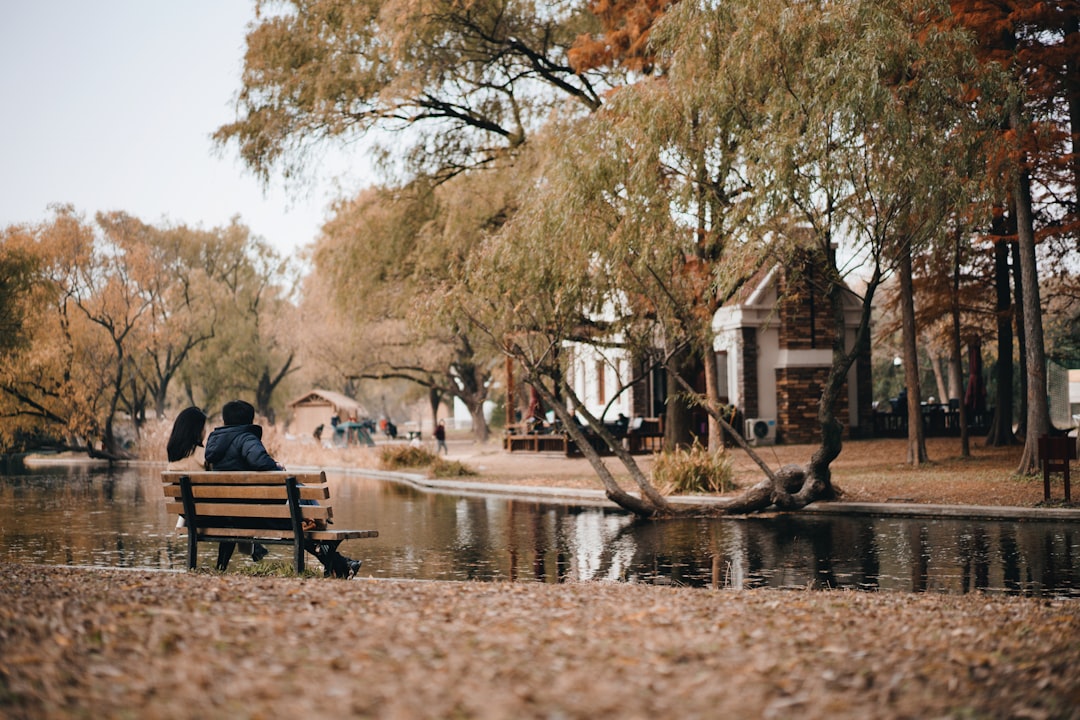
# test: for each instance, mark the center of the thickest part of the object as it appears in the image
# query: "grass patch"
(407, 457)
(277, 568)
(401, 457)
(696, 470)
(442, 468)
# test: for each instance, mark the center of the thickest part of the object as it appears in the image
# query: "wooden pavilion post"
(511, 418)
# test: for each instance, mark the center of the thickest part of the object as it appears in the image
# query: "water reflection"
(80, 516)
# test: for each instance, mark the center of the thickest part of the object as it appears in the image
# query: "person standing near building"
(440, 438)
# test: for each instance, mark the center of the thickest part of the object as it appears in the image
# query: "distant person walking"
(440, 438)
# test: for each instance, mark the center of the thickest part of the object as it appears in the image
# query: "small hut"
(319, 407)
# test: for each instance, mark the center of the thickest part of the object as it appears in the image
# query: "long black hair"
(187, 433)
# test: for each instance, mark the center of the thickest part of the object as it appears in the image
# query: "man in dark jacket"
(238, 446)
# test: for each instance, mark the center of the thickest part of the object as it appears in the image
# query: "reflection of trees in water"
(779, 552)
(118, 519)
(974, 556)
(669, 552)
(918, 535)
(568, 543)
(472, 526)
(789, 551)
(1060, 569)
(1010, 561)
(531, 540)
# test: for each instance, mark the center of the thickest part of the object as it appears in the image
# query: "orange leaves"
(626, 25)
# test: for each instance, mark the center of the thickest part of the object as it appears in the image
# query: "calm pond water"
(81, 516)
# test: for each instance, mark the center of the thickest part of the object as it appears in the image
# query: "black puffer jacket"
(238, 447)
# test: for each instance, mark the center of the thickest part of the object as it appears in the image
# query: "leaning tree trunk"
(650, 504)
(712, 397)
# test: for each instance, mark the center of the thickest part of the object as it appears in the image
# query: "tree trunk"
(651, 503)
(160, 401)
(678, 418)
(1021, 336)
(712, 396)
(962, 419)
(108, 443)
(474, 403)
(481, 432)
(469, 385)
(434, 400)
(1001, 429)
(1071, 83)
(916, 454)
(1038, 411)
(264, 391)
(956, 380)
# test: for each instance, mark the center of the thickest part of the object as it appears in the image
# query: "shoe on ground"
(344, 568)
(259, 552)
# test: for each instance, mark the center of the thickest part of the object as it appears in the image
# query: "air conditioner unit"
(760, 431)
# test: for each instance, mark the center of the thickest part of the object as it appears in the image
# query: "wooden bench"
(1056, 453)
(548, 442)
(263, 507)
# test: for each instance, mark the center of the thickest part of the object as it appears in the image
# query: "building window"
(723, 393)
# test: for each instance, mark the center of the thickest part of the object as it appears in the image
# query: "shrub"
(441, 468)
(693, 471)
(397, 457)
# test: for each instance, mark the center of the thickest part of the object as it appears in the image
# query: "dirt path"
(80, 643)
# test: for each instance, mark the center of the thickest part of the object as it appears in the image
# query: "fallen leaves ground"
(78, 643)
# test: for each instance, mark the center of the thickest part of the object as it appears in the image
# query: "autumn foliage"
(625, 40)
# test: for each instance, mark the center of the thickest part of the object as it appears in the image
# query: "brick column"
(748, 379)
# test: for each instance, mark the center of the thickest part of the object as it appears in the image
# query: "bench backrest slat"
(246, 477)
(312, 512)
(276, 493)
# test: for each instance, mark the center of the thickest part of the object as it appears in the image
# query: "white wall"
(593, 368)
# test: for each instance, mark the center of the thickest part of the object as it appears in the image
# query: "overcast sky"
(109, 105)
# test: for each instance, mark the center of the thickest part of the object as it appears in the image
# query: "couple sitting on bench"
(238, 446)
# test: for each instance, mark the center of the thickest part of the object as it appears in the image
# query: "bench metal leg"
(298, 557)
(192, 550)
(188, 499)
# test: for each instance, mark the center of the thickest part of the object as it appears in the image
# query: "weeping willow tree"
(776, 129)
(384, 252)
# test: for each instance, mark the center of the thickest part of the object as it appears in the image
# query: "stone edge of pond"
(597, 497)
